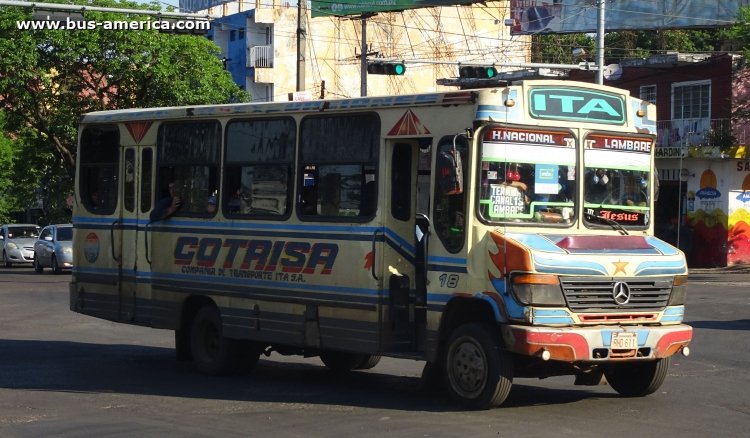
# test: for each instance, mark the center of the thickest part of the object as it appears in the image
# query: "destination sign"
(529, 136)
(619, 143)
(556, 103)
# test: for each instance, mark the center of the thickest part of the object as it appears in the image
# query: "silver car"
(54, 249)
(17, 242)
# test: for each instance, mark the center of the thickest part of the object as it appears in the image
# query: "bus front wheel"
(637, 379)
(215, 354)
(478, 371)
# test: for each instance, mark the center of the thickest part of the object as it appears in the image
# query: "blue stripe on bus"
(661, 267)
(662, 246)
(562, 266)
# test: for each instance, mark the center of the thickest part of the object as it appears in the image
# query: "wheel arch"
(461, 310)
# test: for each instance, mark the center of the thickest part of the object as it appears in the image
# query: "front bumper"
(21, 255)
(593, 344)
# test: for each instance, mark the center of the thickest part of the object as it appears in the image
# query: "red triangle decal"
(409, 124)
(138, 130)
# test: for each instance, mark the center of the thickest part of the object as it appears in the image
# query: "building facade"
(260, 45)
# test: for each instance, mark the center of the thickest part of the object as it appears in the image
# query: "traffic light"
(386, 68)
(481, 72)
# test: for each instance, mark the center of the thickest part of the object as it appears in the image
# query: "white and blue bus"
(494, 234)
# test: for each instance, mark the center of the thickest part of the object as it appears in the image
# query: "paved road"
(65, 374)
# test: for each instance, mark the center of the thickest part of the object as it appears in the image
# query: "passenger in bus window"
(330, 189)
(167, 205)
(211, 206)
(96, 201)
(235, 202)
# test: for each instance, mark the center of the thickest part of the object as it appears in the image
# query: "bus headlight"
(679, 291)
(538, 290)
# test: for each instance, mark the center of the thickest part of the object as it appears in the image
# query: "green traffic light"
(490, 72)
(399, 69)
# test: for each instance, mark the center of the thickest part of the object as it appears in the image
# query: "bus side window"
(258, 167)
(188, 157)
(338, 158)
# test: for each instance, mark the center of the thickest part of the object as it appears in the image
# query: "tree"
(741, 38)
(557, 48)
(49, 78)
(7, 158)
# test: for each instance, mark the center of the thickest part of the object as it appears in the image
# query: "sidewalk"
(737, 273)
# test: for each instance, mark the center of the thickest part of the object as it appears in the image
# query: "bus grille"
(597, 295)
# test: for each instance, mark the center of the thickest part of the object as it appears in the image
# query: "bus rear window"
(98, 175)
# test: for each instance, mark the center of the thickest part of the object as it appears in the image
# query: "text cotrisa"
(259, 255)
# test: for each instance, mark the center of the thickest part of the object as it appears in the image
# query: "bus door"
(400, 249)
(124, 236)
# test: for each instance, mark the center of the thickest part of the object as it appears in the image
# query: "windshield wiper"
(614, 224)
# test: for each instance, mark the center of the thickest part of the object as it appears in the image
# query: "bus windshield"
(617, 179)
(527, 175)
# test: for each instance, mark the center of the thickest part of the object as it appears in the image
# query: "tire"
(478, 371)
(637, 379)
(213, 354)
(368, 362)
(55, 267)
(8, 263)
(37, 267)
(341, 361)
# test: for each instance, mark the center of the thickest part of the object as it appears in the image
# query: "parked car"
(54, 248)
(17, 242)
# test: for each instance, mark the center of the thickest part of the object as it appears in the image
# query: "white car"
(54, 248)
(17, 242)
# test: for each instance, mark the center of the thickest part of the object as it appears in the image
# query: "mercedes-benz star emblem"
(621, 293)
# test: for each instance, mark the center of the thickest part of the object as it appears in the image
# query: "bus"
(494, 234)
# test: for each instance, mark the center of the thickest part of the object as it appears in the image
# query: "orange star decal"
(619, 267)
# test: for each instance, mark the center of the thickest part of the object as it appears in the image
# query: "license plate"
(624, 341)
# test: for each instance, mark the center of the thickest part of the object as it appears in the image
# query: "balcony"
(260, 57)
(698, 137)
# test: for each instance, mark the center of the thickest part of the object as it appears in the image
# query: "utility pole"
(363, 57)
(600, 44)
(301, 43)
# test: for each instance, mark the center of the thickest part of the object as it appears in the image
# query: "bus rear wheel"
(637, 379)
(478, 371)
(215, 354)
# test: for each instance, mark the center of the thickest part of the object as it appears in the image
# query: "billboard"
(340, 8)
(580, 16)
(200, 5)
